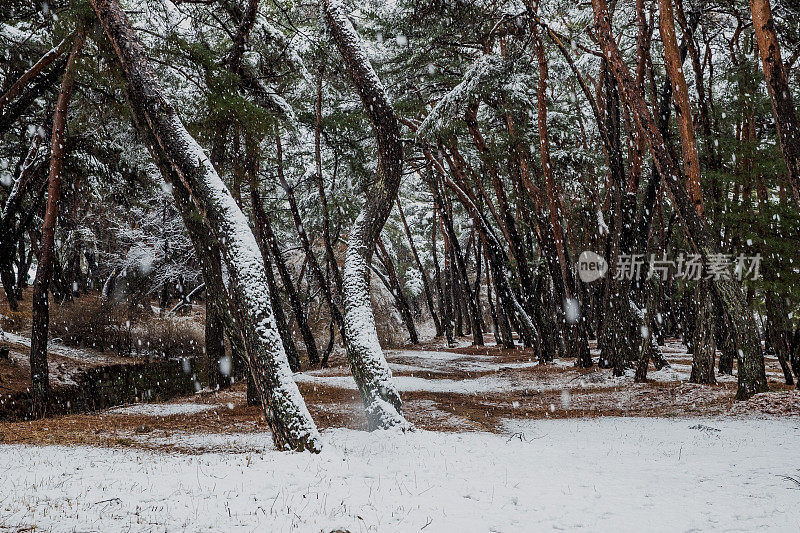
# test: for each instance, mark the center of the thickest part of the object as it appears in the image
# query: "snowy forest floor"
(503, 444)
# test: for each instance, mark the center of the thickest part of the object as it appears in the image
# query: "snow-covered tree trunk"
(284, 408)
(367, 362)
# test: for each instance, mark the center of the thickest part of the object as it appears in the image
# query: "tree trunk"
(397, 292)
(751, 376)
(283, 406)
(780, 94)
(40, 376)
(426, 282)
(780, 333)
(572, 321)
(440, 277)
(367, 363)
(704, 341)
(703, 338)
(673, 62)
(315, 267)
(615, 343)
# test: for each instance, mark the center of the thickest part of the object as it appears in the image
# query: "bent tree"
(750, 357)
(284, 408)
(367, 363)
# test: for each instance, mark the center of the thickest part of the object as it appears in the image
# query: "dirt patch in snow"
(455, 390)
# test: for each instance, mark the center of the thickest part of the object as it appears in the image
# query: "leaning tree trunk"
(367, 363)
(752, 377)
(284, 408)
(40, 378)
(780, 94)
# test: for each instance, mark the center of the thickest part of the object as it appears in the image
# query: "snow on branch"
(447, 108)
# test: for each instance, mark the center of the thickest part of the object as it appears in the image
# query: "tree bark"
(439, 280)
(283, 406)
(704, 341)
(577, 342)
(673, 63)
(367, 362)
(751, 376)
(40, 376)
(780, 94)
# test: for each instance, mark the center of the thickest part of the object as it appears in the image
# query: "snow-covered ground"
(162, 409)
(606, 474)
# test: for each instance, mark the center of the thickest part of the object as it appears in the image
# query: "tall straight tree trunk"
(40, 375)
(367, 362)
(284, 408)
(439, 280)
(703, 339)
(573, 324)
(615, 342)
(751, 376)
(780, 94)
(705, 347)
